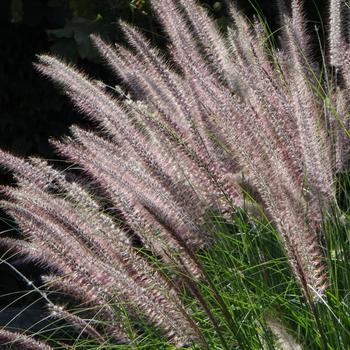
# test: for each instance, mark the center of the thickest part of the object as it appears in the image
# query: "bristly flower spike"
(174, 151)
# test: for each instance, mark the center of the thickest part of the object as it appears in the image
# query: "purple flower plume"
(225, 107)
